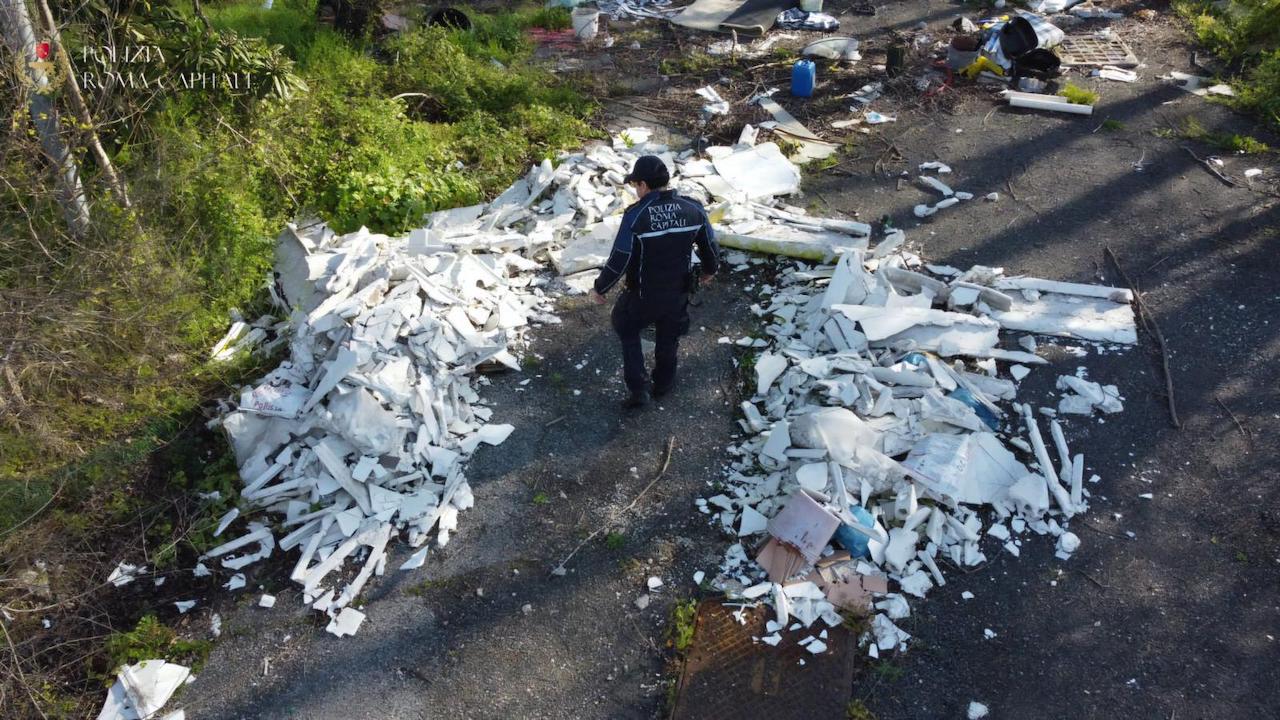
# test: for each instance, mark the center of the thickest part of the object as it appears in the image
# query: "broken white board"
(1075, 316)
(760, 171)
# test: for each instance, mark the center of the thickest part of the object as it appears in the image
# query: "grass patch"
(691, 63)
(857, 710)
(541, 499)
(888, 671)
(1235, 143)
(615, 541)
(683, 622)
(1112, 125)
(1078, 95)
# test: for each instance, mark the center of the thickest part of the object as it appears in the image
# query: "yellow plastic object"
(982, 63)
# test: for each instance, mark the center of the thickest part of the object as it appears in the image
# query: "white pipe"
(1046, 102)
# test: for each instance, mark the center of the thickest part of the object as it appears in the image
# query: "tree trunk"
(21, 40)
(79, 107)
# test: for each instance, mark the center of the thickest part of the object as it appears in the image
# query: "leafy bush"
(395, 200)
(1246, 35)
(152, 639)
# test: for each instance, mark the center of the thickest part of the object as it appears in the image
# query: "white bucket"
(811, 5)
(586, 23)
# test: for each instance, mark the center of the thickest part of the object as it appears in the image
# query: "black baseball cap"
(651, 170)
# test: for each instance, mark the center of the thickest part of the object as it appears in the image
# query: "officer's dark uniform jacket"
(653, 248)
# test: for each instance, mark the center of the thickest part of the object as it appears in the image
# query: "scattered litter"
(1114, 73)
(834, 48)
(797, 19)
(875, 118)
(184, 606)
(977, 710)
(1083, 396)
(142, 689)
(654, 582)
(812, 147)
(124, 573)
(715, 105)
(267, 601)
(346, 622)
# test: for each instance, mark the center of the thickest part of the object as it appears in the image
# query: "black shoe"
(636, 400)
(659, 392)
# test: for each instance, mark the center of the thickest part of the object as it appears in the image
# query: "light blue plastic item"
(984, 413)
(852, 540)
(915, 358)
(804, 74)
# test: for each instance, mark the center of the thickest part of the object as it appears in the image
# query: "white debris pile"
(363, 433)
(880, 448)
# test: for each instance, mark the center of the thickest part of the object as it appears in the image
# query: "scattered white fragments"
(1083, 397)
(977, 710)
(142, 689)
(361, 436)
(879, 448)
(124, 573)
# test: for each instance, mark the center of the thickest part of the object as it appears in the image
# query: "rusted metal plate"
(729, 676)
(1089, 50)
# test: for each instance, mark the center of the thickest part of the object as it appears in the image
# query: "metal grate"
(728, 676)
(1089, 50)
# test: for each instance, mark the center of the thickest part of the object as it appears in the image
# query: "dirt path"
(433, 646)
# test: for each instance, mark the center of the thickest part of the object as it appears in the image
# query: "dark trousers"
(669, 317)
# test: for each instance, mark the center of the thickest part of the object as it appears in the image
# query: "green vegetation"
(615, 541)
(683, 622)
(1246, 35)
(1078, 95)
(1110, 124)
(153, 639)
(857, 710)
(357, 133)
(1192, 129)
(105, 383)
(888, 671)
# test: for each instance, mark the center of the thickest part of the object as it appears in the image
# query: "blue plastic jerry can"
(804, 75)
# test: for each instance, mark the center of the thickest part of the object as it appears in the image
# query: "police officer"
(651, 254)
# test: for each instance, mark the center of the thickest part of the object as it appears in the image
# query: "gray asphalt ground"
(1180, 622)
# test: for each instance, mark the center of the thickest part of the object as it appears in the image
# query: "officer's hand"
(596, 297)
(705, 280)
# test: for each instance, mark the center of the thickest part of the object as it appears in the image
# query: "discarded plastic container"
(852, 540)
(811, 5)
(915, 358)
(982, 411)
(586, 22)
(804, 75)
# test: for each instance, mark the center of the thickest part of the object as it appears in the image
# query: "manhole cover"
(1089, 50)
(729, 676)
